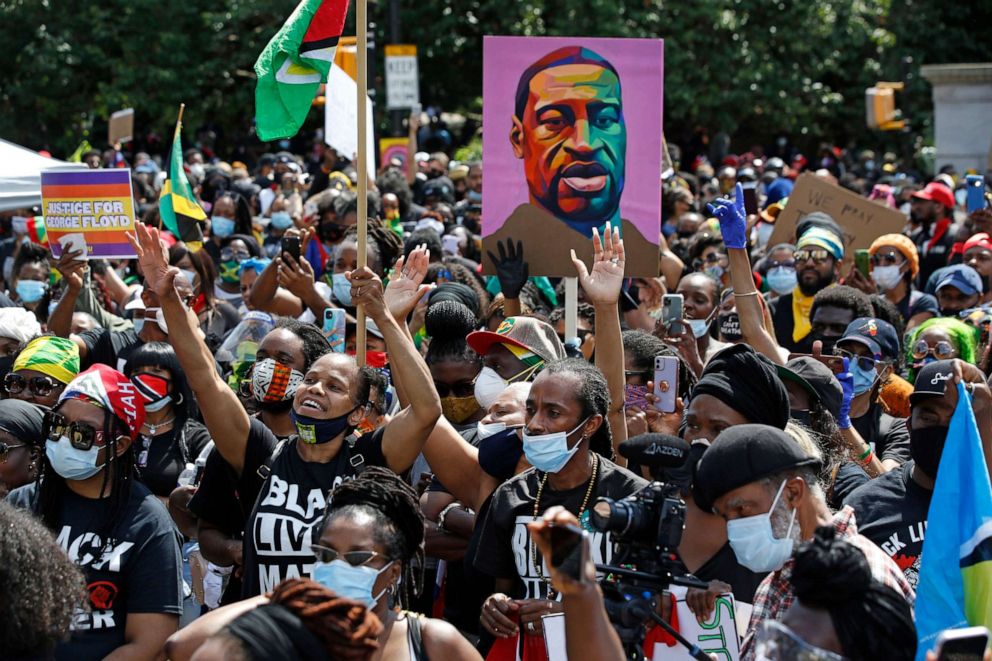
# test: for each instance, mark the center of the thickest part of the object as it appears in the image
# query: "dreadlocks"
(385, 243)
(399, 523)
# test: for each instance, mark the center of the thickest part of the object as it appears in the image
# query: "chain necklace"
(154, 428)
(582, 508)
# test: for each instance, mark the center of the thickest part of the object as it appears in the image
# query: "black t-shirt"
(163, 457)
(140, 573)
(292, 500)
(916, 302)
(849, 477)
(723, 566)
(108, 347)
(887, 435)
(505, 546)
(891, 511)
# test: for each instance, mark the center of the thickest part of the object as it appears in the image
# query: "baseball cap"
(527, 333)
(743, 454)
(876, 334)
(932, 380)
(816, 379)
(936, 192)
(963, 278)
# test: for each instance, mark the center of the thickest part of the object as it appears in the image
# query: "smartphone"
(449, 244)
(976, 192)
(569, 550)
(666, 382)
(861, 258)
(750, 198)
(672, 311)
(291, 246)
(835, 363)
(966, 644)
(334, 328)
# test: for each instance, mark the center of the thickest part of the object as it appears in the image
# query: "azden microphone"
(656, 450)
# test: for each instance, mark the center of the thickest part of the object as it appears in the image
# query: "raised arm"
(602, 287)
(406, 433)
(225, 418)
(266, 294)
(733, 226)
(512, 272)
(71, 268)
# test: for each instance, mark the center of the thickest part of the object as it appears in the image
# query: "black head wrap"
(22, 420)
(273, 632)
(872, 620)
(748, 383)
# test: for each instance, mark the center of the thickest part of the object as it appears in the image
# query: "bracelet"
(444, 513)
(750, 293)
(867, 461)
(865, 453)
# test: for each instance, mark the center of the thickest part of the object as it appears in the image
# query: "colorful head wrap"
(111, 390)
(57, 357)
(256, 264)
(822, 238)
(904, 244)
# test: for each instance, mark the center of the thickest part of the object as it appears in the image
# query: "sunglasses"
(5, 449)
(789, 264)
(14, 384)
(710, 259)
(818, 256)
(455, 390)
(227, 255)
(353, 558)
(887, 259)
(80, 434)
(943, 350)
(864, 362)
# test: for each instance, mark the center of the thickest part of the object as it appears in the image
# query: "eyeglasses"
(864, 362)
(788, 264)
(943, 350)
(644, 375)
(353, 558)
(6, 448)
(80, 434)
(42, 386)
(818, 256)
(455, 389)
(887, 259)
(777, 642)
(227, 254)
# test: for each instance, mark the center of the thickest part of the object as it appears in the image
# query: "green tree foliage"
(753, 68)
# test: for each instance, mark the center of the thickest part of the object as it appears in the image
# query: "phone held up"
(666, 382)
(967, 644)
(672, 311)
(569, 551)
(290, 245)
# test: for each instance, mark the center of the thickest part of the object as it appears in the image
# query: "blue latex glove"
(733, 219)
(847, 385)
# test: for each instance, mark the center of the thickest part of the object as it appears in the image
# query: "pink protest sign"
(572, 138)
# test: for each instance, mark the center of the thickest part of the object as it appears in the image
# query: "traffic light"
(880, 107)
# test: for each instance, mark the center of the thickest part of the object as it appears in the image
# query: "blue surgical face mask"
(550, 452)
(221, 227)
(30, 291)
(341, 287)
(189, 275)
(473, 196)
(754, 542)
(348, 581)
(863, 379)
(72, 463)
(281, 220)
(699, 326)
(782, 279)
(716, 272)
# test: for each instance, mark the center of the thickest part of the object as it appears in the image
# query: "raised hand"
(296, 276)
(406, 286)
(153, 257)
(71, 268)
(602, 285)
(732, 217)
(846, 379)
(366, 290)
(511, 269)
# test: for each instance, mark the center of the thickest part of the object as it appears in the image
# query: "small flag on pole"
(294, 64)
(177, 205)
(955, 588)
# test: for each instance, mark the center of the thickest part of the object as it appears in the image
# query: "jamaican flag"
(177, 205)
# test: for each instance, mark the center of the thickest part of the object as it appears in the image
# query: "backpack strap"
(416, 635)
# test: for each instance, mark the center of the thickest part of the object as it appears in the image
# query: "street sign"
(402, 81)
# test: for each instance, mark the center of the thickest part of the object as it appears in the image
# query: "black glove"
(511, 269)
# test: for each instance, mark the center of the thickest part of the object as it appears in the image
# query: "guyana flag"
(177, 205)
(294, 64)
(955, 585)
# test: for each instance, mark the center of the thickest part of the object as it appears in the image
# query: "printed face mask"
(754, 542)
(730, 327)
(314, 431)
(229, 271)
(459, 409)
(272, 381)
(154, 389)
(550, 452)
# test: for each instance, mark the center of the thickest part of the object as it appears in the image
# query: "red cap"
(980, 240)
(937, 192)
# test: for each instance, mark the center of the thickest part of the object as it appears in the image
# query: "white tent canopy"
(20, 175)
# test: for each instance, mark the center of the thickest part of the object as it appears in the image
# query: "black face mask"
(500, 453)
(828, 342)
(926, 445)
(730, 327)
(802, 417)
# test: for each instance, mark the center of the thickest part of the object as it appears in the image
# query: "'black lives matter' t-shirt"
(140, 573)
(505, 546)
(161, 458)
(292, 500)
(891, 511)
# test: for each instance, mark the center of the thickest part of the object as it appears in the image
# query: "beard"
(821, 282)
(781, 517)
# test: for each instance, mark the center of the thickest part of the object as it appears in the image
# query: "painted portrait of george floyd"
(572, 140)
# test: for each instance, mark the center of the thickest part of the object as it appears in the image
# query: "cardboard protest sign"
(572, 140)
(390, 148)
(341, 118)
(89, 209)
(121, 128)
(717, 635)
(862, 220)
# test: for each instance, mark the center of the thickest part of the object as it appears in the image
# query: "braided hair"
(385, 243)
(345, 628)
(594, 396)
(872, 620)
(447, 323)
(399, 524)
